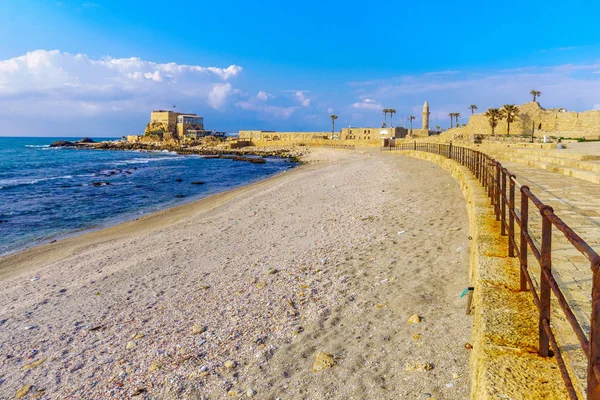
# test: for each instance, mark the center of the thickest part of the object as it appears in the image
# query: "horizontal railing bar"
(571, 236)
(559, 360)
(534, 249)
(536, 297)
(585, 344)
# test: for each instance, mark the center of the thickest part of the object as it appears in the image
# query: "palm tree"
(457, 116)
(494, 115)
(535, 94)
(510, 111)
(385, 111)
(333, 118)
(451, 115)
(392, 112)
(473, 107)
(411, 119)
(438, 128)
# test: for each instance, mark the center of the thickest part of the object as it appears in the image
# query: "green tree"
(510, 112)
(535, 94)
(333, 118)
(438, 128)
(457, 116)
(494, 115)
(385, 112)
(473, 107)
(392, 112)
(411, 119)
(451, 115)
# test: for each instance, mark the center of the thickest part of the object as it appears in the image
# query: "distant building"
(372, 133)
(177, 125)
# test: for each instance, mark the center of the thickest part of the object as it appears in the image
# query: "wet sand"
(234, 295)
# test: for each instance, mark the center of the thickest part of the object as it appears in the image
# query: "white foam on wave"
(38, 146)
(146, 160)
(6, 183)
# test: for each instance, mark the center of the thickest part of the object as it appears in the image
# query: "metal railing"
(501, 186)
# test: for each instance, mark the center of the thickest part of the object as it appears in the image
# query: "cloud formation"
(305, 101)
(77, 84)
(573, 86)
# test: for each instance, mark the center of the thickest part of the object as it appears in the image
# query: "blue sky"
(97, 68)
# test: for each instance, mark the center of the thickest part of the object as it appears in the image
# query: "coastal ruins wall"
(267, 136)
(546, 122)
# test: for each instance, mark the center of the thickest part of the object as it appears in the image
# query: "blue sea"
(49, 192)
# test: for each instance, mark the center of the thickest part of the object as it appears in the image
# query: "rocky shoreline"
(221, 150)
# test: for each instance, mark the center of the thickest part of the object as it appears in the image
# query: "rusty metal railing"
(501, 186)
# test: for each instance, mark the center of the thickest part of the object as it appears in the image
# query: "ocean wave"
(36, 146)
(7, 183)
(146, 160)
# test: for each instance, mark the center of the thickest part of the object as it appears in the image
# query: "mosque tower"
(425, 126)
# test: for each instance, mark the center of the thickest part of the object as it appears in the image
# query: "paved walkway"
(577, 202)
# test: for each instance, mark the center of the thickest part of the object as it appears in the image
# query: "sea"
(47, 193)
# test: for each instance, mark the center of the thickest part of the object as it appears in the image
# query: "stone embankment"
(224, 151)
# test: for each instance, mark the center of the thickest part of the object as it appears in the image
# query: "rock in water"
(63, 143)
(414, 319)
(86, 140)
(198, 183)
(323, 361)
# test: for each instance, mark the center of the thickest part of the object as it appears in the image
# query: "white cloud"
(263, 96)
(368, 104)
(56, 83)
(218, 95)
(330, 110)
(305, 101)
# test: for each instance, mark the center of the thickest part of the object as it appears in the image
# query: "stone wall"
(266, 136)
(546, 122)
(372, 133)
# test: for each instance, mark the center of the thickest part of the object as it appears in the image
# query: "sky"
(98, 68)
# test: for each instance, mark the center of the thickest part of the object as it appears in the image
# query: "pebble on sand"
(323, 361)
(418, 367)
(35, 364)
(130, 345)
(198, 329)
(414, 319)
(229, 364)
(23, 391)
(250, 393)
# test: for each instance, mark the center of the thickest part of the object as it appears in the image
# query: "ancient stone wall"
(282, 136)
(546, 122)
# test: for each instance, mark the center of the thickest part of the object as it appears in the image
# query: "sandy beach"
(234, 296)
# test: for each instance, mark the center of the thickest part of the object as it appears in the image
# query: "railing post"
(415, 145)
(497, 191)
(503, 203)
(524, 233)
(450, 151)
(511, 217)
(546, 268)
(593, 381)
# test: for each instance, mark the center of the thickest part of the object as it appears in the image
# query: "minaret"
(425, 126)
